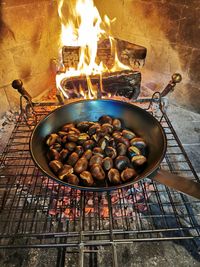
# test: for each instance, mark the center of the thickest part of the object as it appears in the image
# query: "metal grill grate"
(37, 212)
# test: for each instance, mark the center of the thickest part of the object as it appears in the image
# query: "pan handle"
(179, 183)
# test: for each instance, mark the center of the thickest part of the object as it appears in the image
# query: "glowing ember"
(68, 206)
(82, 26)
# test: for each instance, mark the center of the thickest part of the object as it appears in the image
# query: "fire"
(82, 26)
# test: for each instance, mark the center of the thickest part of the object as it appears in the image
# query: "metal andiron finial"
(176, 78)
(18, 85)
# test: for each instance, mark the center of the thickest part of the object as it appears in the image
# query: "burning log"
(122, 83)
(129, 54)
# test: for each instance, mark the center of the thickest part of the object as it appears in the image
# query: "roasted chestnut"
(53, 138)
(107, 128)
(92, 130)
(89, 144)
(105, 119)
(139, 160)
(64, 154)
(128, 134)
(83, 126)
(112, 142)
(64, 139)
(114, 176)
(62, 133)
(117, 125)
(127, 174)
(55, 165)
(103, 142)
(87, 154)
(96, 159)
(75, 130)
(121, 149)
(107, 137)
(83, 137)
(133, 151)
(79, 150)
(62, 173)
(73, 158)
(138, 142)
(68, 126)
(56, 146)
(81, 165)
(70, 146)
(95, 137)
(107, 163)
(72, 179)
(100, 133)
(87, 178)
(111, 152)
(124, 141)
(122, 162)
(98, 151)
(97, 172)
(53, 154)
(117, 135)
(72, 136)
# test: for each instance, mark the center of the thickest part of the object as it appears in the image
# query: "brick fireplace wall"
(170, 31)
(29, 35)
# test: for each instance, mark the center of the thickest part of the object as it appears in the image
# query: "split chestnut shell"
(87, 178)
(55, 165)
(67, 169)
(114, 176)
(72, 179)
(97, 172)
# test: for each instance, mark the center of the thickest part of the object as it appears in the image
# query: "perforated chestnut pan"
(134, 118)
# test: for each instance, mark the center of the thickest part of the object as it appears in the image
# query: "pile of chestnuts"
(96, 153)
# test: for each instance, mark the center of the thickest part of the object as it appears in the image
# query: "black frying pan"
(135, 118)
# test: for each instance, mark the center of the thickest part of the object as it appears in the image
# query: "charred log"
(122, 83)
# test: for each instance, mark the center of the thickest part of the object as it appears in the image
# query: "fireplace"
(167, 30)
(40, 213)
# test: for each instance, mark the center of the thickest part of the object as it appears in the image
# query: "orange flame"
(83, 27)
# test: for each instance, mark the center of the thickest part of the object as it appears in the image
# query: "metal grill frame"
(25, 203)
